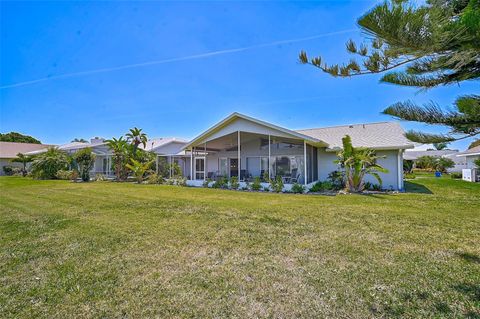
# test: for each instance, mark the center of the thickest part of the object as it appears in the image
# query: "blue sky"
(182, 98)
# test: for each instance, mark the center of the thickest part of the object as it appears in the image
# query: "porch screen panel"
(312, 165)
(287, 159)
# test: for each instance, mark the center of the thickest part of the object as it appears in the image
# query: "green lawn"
(106, 249)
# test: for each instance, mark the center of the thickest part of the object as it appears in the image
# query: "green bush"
(207, 182)
(322, 186)
(372, 187)
(456, 175)
(221, 183)
(155, 179)
(276, 185)
(256, 185)
(410, 176)
(266, 188)
(8, 170)
(85, 159)
(297, 188)
(66, 174)
(46, 165)
(337, 178)
(234, 182)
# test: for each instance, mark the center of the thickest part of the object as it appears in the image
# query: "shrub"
(234, 182)
(337, 178)
(46, 165)
(256, 185)
(409, 176)
(65, 174)
(245, 188)
(322, 186)
(155, 179)
(181, 181)
(477, 162)
(85, 160)
(8, 170)
(372, 187)
(266, 189)
(297, 188)
(100, 178)
(207, 182)
(277, 184)
(221, 183)
(456, 175)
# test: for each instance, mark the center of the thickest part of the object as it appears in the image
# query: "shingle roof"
(157, 142)
(383, 135)
(470, 152)
(10, 149)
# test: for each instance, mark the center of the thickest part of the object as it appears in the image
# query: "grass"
(107, 249)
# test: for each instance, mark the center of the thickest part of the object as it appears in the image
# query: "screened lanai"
(253, 150)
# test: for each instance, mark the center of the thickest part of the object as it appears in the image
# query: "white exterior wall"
(470, 159)
(7, 162)
(391, 162)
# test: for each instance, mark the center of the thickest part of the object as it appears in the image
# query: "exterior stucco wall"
(390, 180)
(7, 162)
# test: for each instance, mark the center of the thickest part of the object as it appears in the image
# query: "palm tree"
(24, 159)
(137, 137)
(119, 148)
(357, 163)
(138, 169)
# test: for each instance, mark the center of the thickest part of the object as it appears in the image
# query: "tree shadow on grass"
(411, 187)
(472, 291)
(469, 257)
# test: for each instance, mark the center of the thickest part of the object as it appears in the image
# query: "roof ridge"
(346, 125)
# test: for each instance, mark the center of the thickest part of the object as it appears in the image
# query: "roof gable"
(240, 122)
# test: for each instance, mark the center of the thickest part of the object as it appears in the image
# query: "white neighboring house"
(170, 147)
(460, 162)
(168, 150)
(471, 173)
(9, 151)
(247, 147)
(103, 155)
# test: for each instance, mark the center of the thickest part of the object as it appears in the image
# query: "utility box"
(469, 174)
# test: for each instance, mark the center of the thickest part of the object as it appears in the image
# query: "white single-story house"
(247, 147)
(460, 162)
(471, 173)
(9, 151)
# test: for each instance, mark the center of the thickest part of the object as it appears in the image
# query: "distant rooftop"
(382, 135)
(11, 149)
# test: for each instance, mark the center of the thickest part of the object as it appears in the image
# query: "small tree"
(24, 159)
(442, 164)
(120, 149)
(46, 165)
(85, 160)
(138, 169)
(357, 163)
(477, 162)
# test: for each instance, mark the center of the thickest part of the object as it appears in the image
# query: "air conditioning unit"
(470, 174)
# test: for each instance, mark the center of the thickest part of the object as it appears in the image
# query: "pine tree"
(437, 44)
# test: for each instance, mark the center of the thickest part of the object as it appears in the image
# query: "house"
(103, 164)
(247, 147)
(471, 173)
(460, 162)
(9, 151)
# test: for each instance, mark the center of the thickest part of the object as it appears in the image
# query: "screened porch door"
(199, 168)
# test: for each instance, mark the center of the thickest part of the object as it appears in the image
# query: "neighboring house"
(460, 163)
(103, 158)
(247, 147)
(9, 151)
(169, 150)
(471, 172)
